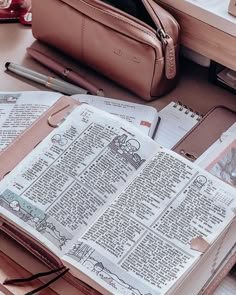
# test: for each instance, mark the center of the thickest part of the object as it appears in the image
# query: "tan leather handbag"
(134, 43)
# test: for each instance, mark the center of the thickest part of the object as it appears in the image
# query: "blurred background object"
(232, 7)
(16, 10)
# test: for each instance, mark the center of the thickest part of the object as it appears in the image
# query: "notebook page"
(176, 121)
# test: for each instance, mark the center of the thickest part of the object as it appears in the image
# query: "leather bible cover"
(205, 132)
(16, 152)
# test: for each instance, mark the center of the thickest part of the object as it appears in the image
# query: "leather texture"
(116, 44)
(42, 253)
(206, 132)
(16, 152)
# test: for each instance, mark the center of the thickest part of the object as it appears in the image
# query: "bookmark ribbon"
(16, 282)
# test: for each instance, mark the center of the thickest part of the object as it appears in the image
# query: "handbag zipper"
(169, 52)
(119, 14)
(159, 34)
(167, 43)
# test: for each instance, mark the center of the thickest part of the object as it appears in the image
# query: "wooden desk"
(204, 33)
(193, 90)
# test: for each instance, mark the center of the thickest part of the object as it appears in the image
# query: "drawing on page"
(57, 138)
(21, 208)
(127, 148)
(9, 98)
(34, 217)
(200, 181)
(56, 234)
(86, 255)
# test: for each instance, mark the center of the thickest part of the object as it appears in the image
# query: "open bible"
(124, 214)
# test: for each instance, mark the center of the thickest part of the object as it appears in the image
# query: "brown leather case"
(206, 132)
(114, 43)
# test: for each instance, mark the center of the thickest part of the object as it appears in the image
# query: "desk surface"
(212, 12)
(206, 28)
(193, 90)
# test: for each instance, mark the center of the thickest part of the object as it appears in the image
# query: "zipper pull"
(169, 50)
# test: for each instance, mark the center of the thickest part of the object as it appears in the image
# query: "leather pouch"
(206, 132)
(134, 43)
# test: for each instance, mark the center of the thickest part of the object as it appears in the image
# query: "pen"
(50, 82)
(156, 127)
(65, 72)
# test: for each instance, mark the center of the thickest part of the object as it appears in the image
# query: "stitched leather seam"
(82, 36)
(160, 17)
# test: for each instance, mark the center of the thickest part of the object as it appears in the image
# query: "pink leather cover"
(10, 157)
(112, 42)
(206, 132)
(42, 253)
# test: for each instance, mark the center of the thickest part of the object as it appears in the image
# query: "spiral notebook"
(176, 120)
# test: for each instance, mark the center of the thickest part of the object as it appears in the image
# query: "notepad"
(176, 121)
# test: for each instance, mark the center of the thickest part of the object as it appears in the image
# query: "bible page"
(18, 110)
(71, 176)
(146, 240)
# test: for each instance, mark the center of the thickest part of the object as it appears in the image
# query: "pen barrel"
(79, 80)
(66, 73)
(27, 73)
(39, 79)
(50, 82)
(68, 90)
(65, 86)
